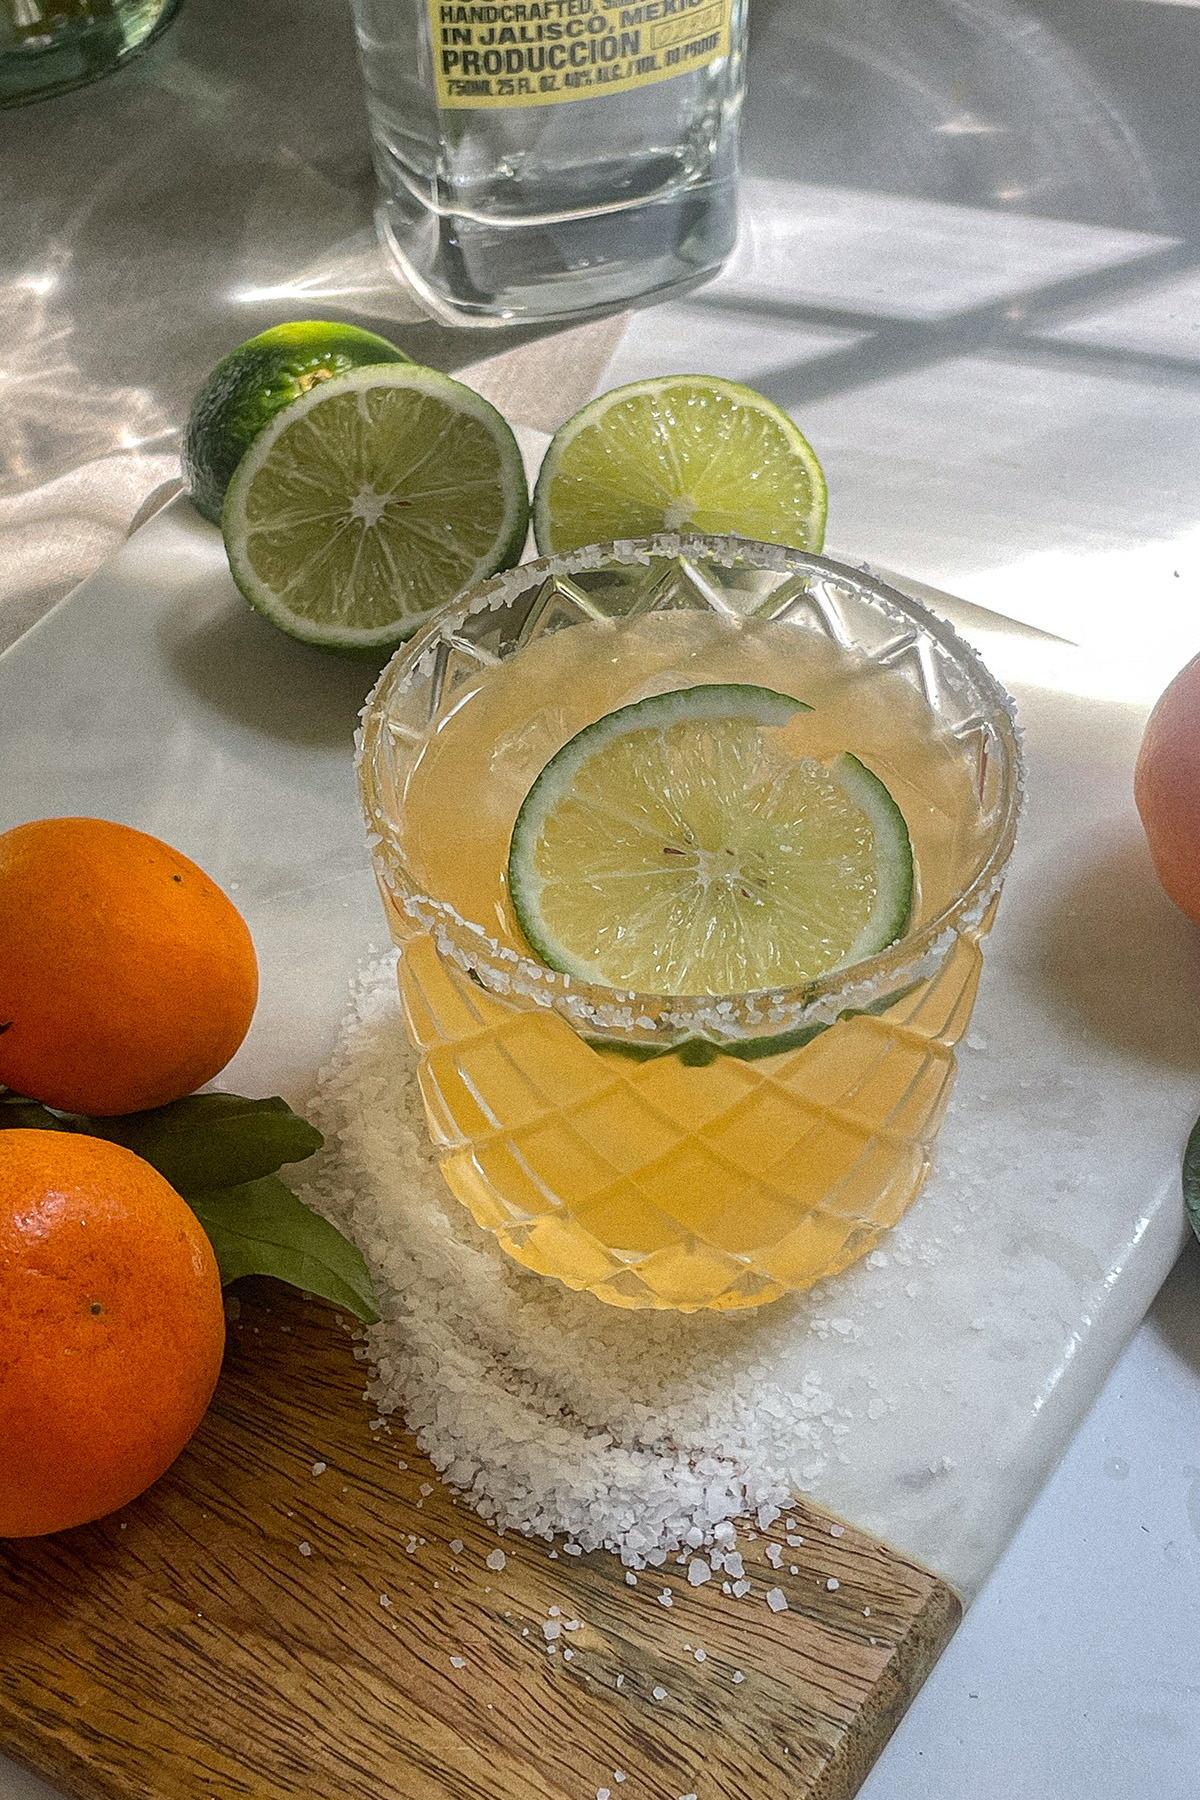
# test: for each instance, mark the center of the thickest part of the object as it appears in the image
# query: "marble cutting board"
(960, 1366)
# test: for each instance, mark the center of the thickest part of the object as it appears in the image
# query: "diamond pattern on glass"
(559, 603)
(786, 1168)
(810, 602)
(659, 1182)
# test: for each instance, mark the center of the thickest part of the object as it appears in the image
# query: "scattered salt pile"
(641, 1432)
(650, 1433)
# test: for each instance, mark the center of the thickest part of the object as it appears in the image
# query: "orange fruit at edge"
(1166, 786)
(127, 978)
(111, 1328)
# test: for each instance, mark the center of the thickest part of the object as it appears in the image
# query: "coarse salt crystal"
(660, 1693)
(618, 1774)
(456, 1546)
(741, 1589)
(487, 1374)
(833, 1583)
(496, 1560)
(305, 1549)
(700, 1655)
(555, 1612)
(319, 1468)
(777, 1600)
(698, 1572)
(384, 1601)
(666, 1598)
(737, 1677)
(631, 1579)
(603, 1794)
(774, 1555)
(551, 1629)
(837, 1531)
(458, 1662)
(794, 1541)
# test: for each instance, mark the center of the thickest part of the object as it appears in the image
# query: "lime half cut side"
(681, 846)
(372, 501)
(689, 453)
(253, 383)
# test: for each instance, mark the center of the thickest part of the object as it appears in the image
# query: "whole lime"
(253, 383)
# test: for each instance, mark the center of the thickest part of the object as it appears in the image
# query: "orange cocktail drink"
(667, 1149)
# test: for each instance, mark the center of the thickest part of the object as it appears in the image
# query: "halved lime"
(681, 845)
(256, 381)
(681, 453)
(372, 500)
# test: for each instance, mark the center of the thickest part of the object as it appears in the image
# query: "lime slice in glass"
(682, 845)
(372, 500)
(685, 453)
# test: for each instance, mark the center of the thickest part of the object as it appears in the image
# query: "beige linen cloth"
(53, 535)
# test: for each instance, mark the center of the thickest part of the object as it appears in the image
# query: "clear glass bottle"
(48, 46)
(542, 158)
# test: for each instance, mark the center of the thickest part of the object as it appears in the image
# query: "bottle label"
(537, 52)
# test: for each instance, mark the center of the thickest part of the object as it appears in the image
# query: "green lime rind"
(253, 383)
(371, 502)
(692, 453)
(1191, 1177)
(669, 849)
(894, 892)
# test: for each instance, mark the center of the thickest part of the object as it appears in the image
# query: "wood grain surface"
(258, 1625)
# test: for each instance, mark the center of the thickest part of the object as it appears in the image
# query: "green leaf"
(19, 1114)
(1191, 1178)
(214, 1140)
(261, 1228)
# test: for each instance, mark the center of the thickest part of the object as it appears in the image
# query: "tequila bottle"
(542, 158)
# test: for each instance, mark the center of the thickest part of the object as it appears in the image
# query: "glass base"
(49, 49)
(659, 1185)
(467, 271)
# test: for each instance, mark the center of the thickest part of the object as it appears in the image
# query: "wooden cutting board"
(254, 1627)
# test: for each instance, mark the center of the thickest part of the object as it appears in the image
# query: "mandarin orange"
(1166, 787)
(111, 1328)
(127, 978)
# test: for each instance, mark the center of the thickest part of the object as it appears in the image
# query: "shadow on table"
(242, 667)
(1125, 961)
(1175, 1315)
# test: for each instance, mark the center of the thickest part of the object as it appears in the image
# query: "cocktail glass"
(658, 1150)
